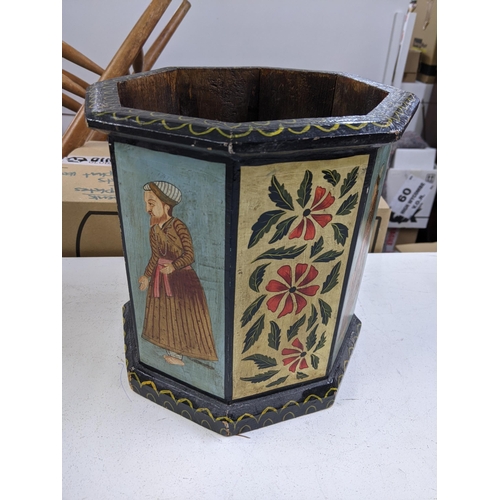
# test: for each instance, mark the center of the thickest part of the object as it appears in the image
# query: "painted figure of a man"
(177, 317)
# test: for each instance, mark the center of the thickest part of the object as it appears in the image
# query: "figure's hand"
(143, 283)
(167, 269)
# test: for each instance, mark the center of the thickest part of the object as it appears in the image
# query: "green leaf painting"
(260, 377)
(294, 329)
(312, 319)
(256, 277)
(348, 205)
(349, 182)
(279, 195)
(282, 229)
(251, 310)
(331, 176)
(277, 382)
(304, 191)
(340, 233)
(282, 253)
(261, 361)
(274, 337)
(329, 256)
(314, 361)
(321, 343)
(253, 334)
(325, 311)
(301, 375)
(332, 279)
(311, 339)
(317, 247)
(263, 225)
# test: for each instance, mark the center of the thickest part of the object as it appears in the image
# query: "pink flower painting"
(295, 357)
(306, 227)
(291, 292)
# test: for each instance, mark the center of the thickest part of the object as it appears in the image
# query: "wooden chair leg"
(73, 55)
(138, 63)
(76, 79)
(77, 133)
(70, 103)
(130, 48)
(163, 38)
(69, 85)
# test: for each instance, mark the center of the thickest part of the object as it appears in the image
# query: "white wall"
(351, 36)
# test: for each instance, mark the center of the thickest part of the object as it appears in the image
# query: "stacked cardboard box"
(417, 247)
(410, 189)
(425, 39)
(397, 237)
(412, 65)
(90, 223)
(426, 93)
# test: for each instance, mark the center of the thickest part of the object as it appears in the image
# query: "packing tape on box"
(87, 160)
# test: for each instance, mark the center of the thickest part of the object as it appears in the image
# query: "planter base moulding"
(237, 417)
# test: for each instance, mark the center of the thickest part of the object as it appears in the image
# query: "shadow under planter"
(246, 200)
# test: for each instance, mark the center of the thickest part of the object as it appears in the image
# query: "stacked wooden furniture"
(130, 55)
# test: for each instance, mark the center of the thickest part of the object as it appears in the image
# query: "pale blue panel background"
(202, 209)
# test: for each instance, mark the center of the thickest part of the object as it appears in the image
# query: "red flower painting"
(293, 290)
(322, 200)
(296, 356)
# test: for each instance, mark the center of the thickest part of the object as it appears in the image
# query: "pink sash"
(166, 282)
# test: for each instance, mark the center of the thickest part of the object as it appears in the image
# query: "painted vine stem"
(295, 286)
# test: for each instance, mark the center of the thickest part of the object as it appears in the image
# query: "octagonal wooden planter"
(246, 200)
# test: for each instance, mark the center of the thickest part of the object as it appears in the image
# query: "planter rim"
(384, 124)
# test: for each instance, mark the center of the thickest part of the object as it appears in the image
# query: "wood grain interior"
(249, 94)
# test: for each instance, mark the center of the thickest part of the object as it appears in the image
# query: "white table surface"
(378, 441)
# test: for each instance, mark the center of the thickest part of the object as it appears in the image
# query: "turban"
(166, 192)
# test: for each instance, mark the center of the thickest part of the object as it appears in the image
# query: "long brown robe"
(177, 319)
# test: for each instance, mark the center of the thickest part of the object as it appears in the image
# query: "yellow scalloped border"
(227, 419)
(251, 127)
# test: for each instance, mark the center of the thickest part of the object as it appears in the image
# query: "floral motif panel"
(296, 225)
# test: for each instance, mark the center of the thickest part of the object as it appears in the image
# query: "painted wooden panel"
(363, 241)
(296, 225)
(175, 266)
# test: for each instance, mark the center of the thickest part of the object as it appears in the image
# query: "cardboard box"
(96, 152)
(412, 65)
(379, 231)
(414, 159)
(410, 187)
(396, 237)
(90, 223)
(410, 194)
(417, 247)
(425, 39)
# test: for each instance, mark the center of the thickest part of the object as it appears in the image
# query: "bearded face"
(158, 211)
